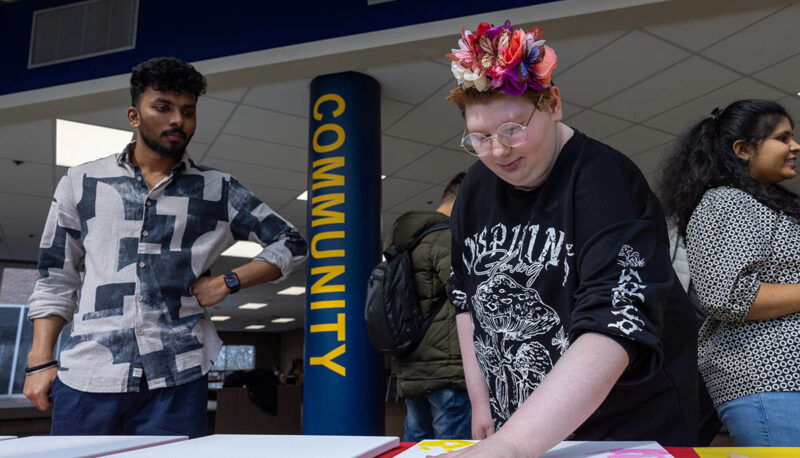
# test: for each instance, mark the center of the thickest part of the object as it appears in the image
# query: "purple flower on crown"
(512, 61)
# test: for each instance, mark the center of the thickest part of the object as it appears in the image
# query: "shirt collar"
(124, 159)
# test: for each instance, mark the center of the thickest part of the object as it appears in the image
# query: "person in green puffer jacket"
(431, 378)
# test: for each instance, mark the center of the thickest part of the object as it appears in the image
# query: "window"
(16, 336)
(231, 358)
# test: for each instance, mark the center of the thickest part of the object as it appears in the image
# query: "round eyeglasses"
(510, 134)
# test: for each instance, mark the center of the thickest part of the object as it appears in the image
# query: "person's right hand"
(482, 426)
(37, 388)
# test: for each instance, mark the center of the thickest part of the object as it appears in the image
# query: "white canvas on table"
(566, 449)
(79, 446)
(263, 446)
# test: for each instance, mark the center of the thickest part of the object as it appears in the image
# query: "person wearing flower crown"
(571, 320)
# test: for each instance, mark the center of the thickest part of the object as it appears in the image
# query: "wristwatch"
(232, 281)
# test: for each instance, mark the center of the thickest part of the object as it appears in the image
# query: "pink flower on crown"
(544, 69)
(512, 61)
(465, 55)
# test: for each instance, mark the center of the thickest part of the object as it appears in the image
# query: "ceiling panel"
(231, 147)
(572, 50)
(396, 153)
(21, 228)
(392, 110)
(611, 70)
(26, 178)
(269, 125)
(792, 105)
(636, 139)
(782, 75)
(682, 117)
(295, 212)
(285, 97)
(569, 110)
(434, 121)
(212, 114)
(682, 82)
(256, 174)
(396, 190)
(411, 82)
(436, 166)
(24, 248)
(387, 219)
(700, 32)
(197, 150)
(29, 141)
(426, 200)
(232, 95)
(777, 38)
(650, 161)
(5, 253)
(115, 118)
(274, 197)
(29, 208)
(597, 125)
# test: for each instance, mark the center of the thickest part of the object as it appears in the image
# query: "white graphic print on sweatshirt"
(511, 315)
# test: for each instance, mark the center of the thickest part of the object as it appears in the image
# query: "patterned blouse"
(735, 243)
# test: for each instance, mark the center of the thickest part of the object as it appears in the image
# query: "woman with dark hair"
(741, 227)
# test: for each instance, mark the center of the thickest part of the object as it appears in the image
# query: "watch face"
(232, 280)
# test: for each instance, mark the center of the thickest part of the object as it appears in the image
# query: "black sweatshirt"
(585, 252)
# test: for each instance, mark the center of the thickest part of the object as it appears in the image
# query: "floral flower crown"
(512, 61)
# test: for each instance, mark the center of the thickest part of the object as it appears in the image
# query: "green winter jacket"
(436, 363)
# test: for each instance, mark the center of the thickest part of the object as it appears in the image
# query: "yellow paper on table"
(748, 452)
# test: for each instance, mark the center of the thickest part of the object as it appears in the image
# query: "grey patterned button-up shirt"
(117, 259)
(734, 244)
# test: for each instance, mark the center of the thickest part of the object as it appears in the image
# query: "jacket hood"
(411, 224)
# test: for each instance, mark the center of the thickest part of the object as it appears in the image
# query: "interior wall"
(267, 344)
(292, 343)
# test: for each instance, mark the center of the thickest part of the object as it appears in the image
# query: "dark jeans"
(442, 414)
(173, 411)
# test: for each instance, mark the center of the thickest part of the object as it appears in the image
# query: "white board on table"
(248, 445)
(566, 449)
(79, 446)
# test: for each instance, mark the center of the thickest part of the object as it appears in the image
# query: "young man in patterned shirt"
(125, 255)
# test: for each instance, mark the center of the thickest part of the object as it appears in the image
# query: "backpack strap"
(392, 252)
(434, 228)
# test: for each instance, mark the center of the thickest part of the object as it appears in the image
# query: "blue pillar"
(343, 374)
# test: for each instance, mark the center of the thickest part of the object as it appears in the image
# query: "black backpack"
(394, 318)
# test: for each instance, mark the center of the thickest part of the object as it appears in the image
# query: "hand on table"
(494, 446)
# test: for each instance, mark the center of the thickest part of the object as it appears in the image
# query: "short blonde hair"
(462, 97)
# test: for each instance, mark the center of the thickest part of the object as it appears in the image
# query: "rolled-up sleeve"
(61, 256)
(251, 219)
(728, 241)
(622, 266)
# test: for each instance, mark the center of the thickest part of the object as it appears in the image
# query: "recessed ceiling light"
(77, 142)
(220, 318)
(252, 306)
(383, 177)
(293, 291)
(243, 249)
(255, 326)
(282, 320)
